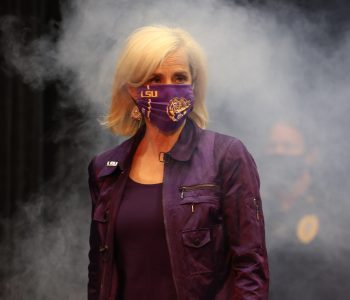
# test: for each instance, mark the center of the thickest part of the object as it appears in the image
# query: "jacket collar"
(121, 156)
(187, 142)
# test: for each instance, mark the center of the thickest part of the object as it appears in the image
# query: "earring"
(135, 114)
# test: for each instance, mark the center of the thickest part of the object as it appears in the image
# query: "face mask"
(166, 105)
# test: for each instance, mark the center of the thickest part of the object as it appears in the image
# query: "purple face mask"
(165, 105)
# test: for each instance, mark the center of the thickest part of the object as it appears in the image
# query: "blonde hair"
(145, 49)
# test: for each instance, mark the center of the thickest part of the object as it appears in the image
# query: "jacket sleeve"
(93, 277)
(244, 221)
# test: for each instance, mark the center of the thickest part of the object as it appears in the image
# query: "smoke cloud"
(263, 65)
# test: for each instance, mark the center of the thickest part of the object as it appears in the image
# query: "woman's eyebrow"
(176, 73)
(156, 74)
(182, 72)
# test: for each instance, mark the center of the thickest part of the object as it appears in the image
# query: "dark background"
(26, 120)
(29, 144)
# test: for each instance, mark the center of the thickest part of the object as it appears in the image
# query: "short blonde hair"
(145, 49)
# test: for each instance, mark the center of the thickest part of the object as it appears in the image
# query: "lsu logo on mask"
(149, 94)
(178, 108)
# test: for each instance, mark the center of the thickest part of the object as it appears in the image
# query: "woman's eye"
(181, 79)
(155, 80)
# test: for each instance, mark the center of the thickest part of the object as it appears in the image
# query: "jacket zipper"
(166, 229)
(195, 187)
(187, 188)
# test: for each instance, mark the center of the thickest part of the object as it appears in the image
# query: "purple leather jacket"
(212, 215)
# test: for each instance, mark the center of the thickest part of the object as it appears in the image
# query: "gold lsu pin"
(111, 163)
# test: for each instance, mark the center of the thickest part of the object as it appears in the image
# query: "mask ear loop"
(193, 86)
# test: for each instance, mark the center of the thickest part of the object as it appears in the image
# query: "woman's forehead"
(177, 59)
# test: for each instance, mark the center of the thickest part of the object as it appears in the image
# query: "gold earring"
(135, 114)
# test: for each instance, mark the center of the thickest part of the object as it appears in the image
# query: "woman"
(176, 211)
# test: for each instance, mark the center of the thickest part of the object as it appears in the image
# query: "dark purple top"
(141, 246)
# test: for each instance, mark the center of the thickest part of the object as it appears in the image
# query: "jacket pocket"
(201, 205)
(193, 195)
(198, 250)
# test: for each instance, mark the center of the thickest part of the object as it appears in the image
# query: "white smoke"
(262, 64)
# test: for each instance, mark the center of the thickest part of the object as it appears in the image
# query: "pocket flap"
(196, 238)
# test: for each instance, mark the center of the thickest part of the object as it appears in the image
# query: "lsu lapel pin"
(112, 163)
